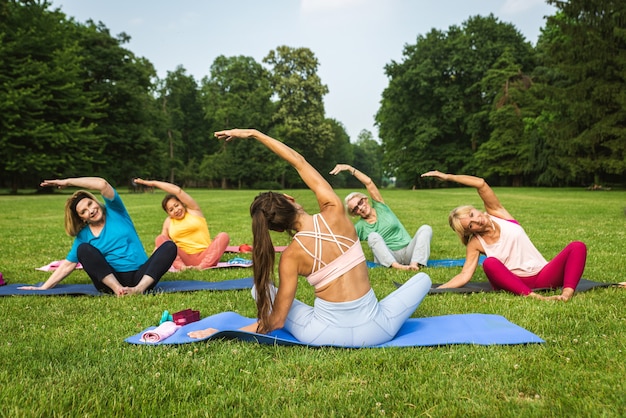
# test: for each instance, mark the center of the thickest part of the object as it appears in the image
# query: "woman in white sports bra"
(327, 251)
(513, 262)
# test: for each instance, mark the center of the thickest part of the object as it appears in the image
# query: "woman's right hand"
(436, 173)
(230, 134)
(60, 183)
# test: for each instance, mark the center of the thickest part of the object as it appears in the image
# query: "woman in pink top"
(327, 251)
(187, 227)
(513, 263)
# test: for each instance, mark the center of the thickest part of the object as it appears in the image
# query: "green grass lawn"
(63, 356)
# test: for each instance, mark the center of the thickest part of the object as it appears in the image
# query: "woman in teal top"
(390, 242)
(106, 242)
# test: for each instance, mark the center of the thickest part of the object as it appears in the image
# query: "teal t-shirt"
(118, 241)
(387, 225)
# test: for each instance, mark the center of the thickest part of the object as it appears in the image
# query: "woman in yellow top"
(187, 227)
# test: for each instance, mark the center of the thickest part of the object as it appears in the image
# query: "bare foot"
(536, 296)
(565, 295)
(203, 333)
(414, 266)
(399, 266)
(132, 291)
(622, 284)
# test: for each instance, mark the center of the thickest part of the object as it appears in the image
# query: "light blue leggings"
(358, 323)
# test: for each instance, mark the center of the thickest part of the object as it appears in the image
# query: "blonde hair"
(73, 222)
(349, 198)
(454, 219)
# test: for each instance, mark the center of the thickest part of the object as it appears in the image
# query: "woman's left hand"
(339, 168)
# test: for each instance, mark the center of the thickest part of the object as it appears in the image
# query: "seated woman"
(513, 263)
(187, 227)
(327, 251)
(388, 239)
(106, 242)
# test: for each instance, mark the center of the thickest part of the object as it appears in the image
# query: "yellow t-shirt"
(190, 234)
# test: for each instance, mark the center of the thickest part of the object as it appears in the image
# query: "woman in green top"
(391, 244)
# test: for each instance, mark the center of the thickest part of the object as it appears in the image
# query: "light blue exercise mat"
(480, 329)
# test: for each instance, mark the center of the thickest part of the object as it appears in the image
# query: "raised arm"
(372, 190)
(323, 191)
(170, 188)
(91, 183)
(486, 193)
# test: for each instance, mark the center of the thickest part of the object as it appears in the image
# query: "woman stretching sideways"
(325, 248)
(513, 263)
(106, 242)
(388, 239)
(187, 227)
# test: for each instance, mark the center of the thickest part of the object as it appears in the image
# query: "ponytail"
(269, 211)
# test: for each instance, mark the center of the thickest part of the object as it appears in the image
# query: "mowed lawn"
(65, 356)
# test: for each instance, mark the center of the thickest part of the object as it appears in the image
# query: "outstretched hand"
(435, 173)
(231, 134)
(54, 183)
(339, 168)
(31, 288)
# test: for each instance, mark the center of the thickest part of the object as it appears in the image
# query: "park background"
(475, 98)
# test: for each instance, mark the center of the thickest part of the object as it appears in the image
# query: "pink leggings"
(205, 259)
(564, 270)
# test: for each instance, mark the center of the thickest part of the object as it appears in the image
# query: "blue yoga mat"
(445, 262)
(480, 329)
(161, 287)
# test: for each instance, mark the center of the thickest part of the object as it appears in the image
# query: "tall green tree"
(131, 130)
(238, 94)
(187, 132)
(585, 41)
(47, 119)
(435, 110)
(506, 154)
(338, 150)
(368, 157)
(299, 117)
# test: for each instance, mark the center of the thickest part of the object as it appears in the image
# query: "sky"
(353, 40)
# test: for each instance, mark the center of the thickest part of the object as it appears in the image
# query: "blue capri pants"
(357, 323)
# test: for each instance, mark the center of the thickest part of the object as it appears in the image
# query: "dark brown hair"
(167, 198)
(270, 212)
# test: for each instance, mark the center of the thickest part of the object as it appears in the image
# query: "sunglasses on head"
(355, 209)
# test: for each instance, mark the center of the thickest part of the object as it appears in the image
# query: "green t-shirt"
(387, 225)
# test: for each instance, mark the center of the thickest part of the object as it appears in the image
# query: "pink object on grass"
(166, 329)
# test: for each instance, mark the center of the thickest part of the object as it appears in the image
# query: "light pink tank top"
(514, 249)
(323, 273)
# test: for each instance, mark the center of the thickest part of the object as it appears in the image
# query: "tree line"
(475, 99)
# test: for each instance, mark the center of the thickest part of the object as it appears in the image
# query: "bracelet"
(353, 170)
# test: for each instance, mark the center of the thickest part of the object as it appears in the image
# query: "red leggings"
(564, 270)
(205, 259)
